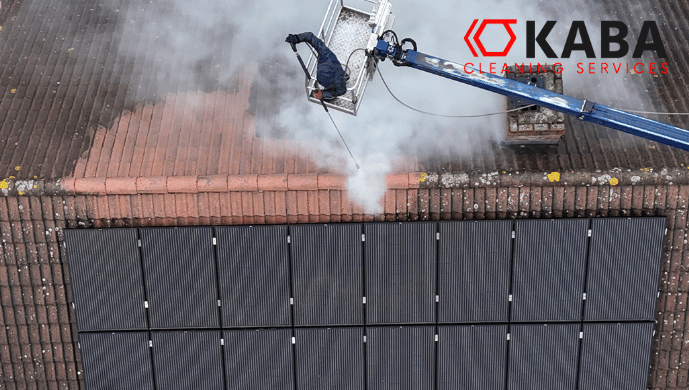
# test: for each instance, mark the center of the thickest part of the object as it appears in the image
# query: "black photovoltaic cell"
(624, 267)
(400, 358)
(327, 274)
(259, 359)
(472, 357)
(119, 360)
(330, 358)
(188, 359)
(543, 356)
(254, 275)
(549, 269)
(399, 261)
(615, 356)
(474, 271)
(400, 272)
(179, 268)
(105, 268)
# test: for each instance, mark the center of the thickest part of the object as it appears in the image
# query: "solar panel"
(254, 275)
(105, 268)
(187, 359)
(116, 360)
(180, 276)
(472, 357)
(484, 341)
(327, 274)
(615, 356)
(474, 271)
(400, 272)
(259, 359)
(624, 267)
(400, 357)
(549, 269)
(330, 358)
(543, 356)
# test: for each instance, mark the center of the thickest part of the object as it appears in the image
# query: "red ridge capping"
(242, 183)
(223, 183)
(182, 184)
(331, 181)
(272, 182)
(397, 181)
(215, 183)
(416, 178)
(121, 185)
(90, 186)
(151, 185)
(302, 182)
(67, 184)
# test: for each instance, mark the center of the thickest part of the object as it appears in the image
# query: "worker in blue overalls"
(331, 76)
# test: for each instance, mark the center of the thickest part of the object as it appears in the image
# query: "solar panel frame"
(180, 277)
(400, 358)
(329, 358)
(107, 281)
(253, 264)
(400, 267)
(543, 356)
(472, 357)
(624, 268)
(259, 359)
(474, 260)
(549, 270)
(188, 359)
(327, 274)
(119, 360)
(615, 356)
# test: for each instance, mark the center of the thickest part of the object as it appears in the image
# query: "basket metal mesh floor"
(351, 32)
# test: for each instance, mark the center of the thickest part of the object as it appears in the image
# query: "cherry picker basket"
(349, 33)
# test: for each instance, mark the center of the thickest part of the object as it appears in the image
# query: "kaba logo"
(612, 32)
(477, 37)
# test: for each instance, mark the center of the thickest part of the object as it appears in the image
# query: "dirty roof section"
(589, 147)
(73, 105)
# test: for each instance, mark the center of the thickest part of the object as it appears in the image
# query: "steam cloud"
(210, 41)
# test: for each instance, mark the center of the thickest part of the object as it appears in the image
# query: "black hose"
(394, 34)
(413, 42)
(349, 58)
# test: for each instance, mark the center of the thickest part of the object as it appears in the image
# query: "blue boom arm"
(582, 109)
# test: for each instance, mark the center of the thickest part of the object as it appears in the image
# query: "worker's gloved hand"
(318, 94)
(291, 38)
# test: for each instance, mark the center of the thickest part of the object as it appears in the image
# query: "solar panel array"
(552, 304)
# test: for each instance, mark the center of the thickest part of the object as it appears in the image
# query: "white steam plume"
(212, 40)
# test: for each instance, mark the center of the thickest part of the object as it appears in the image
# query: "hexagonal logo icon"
(477, 37)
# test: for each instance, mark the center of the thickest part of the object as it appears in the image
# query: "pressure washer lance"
(308, 76)
(338, 132)
(294, 48)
